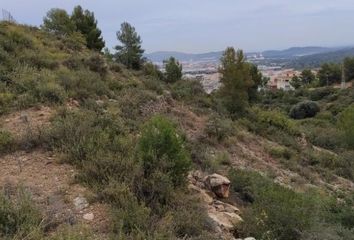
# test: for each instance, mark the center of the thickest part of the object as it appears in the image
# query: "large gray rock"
(220, 185)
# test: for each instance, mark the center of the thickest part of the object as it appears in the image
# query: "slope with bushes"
(128, 141)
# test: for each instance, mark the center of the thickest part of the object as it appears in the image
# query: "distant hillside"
(316, 60)
(296, 52)
(184, 57)
(290, 53)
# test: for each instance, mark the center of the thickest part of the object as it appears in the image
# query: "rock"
(250, 238)
(202, 194)
(220, 185)
(225, 207)
(224, 220)
(24, 117)
(80, 203)
(88, 216)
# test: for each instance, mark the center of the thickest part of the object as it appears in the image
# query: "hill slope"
(92, 150)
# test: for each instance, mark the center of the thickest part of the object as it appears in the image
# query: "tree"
(173, 70)
(349, 68)
(236, 80)
(165, 161)
(86, 24)
(307, 76)
(258, 79)
(58, 21)
(295, 82)
(130, 52)
(345, 123)
(329, 74)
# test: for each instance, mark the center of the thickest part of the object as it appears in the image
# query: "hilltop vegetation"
(134, 134)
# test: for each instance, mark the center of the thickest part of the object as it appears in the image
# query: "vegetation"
(130, 52)
(303, 110)
(134, 133)
(173, 70)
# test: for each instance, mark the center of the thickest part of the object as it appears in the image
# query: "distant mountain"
(289, 54)
(184, 57)
(316, 60)
(296, 52)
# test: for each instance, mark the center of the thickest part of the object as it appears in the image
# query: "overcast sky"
(211, 25)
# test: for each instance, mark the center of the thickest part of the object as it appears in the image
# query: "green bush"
(303, 110)
(165, 161)
(276, 212)
(6, 141)
(219, 128)
(345, 123)
(18, 217)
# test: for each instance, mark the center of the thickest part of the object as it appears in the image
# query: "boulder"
(218, 184)
(80, 203)
(224, 220)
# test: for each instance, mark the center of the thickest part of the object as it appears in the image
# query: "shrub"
(96, 63)
(276, 212)
(164, 159)
(50, 92)
(320, 93)
(345, 123)
(18, 217)
(6, 141)
(303, 110)
(219, 128)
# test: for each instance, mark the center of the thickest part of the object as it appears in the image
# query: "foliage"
(276, 212)
(164, 159)
(18, 217)
(329, 74)
(345, 123)
(58, 21)
(307, 77)
(295, 82)
(130, 52)
(152, 70)
(6, 141)
(236, 80)
(303, 110)
(218, 128)
(86, 24)
(173, 70)
(349, 68)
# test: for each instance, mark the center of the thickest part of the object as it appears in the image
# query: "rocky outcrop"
(223, 216)
(220, 185)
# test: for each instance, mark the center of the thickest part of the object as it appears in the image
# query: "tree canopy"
(173, 70)
(236, 78)
(58, 21)
(130, 53)
(86, 24)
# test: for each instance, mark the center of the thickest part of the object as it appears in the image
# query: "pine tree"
(130, 52)
(236, 78)
(173, 70)
(58, 21)
(86, 24)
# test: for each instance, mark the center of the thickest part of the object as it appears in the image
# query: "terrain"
(93, 150)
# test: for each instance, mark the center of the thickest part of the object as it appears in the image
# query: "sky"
(197, 26)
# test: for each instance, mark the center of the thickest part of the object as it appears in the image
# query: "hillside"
(287, 54)
(92, 150)
(316, 60)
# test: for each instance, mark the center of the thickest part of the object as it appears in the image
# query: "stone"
(88, 216)
(202, 194)
(218, 184)
(224, 220)
(225, 207)
(249, 238)
(80, 203)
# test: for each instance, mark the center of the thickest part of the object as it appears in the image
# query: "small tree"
(349, 68)
(173, 70)
(307, 76)
(130, 52)
(86, 24)
(346, 123)
(58, 21)
(329, 74)
(236, 79)
(258, 79)
(295, 82)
